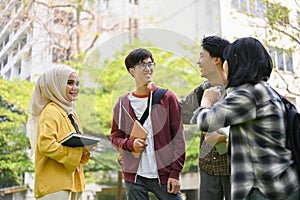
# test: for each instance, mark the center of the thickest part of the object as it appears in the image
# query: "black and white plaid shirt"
(259, 157)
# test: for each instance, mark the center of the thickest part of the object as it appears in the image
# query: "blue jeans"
(255, 194)
(139, 190)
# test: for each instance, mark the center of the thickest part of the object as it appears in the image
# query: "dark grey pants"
(214, 187)
(140, 189)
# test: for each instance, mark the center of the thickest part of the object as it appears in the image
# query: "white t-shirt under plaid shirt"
(259, 157)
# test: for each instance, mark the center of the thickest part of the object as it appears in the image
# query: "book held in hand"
(221, 148)
(138, 131)
(79, 140)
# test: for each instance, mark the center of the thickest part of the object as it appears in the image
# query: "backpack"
(292, 117)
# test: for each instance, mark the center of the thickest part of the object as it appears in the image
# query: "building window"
(135, 2)
(23, 42)
(258, 7)
(6, 40)
(17, 69)
(282, 59)
(15, 50)
(7, 75)
(289, 62)
(133, 26)
(253, 7)
(5, 60)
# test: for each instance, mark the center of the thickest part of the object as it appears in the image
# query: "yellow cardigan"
(57, 167)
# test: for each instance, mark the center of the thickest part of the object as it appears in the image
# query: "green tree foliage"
(280, 21)
(277, 15)
(14, 145)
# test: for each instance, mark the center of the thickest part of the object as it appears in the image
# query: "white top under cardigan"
(147, 166)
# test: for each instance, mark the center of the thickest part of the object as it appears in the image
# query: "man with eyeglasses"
(162, 152)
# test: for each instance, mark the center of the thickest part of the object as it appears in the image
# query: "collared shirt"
(259, 157)
(210, 160)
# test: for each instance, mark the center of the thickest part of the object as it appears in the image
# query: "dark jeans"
(139, 190)
(214, 187)
(255, 194)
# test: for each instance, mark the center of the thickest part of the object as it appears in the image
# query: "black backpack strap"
(157, 95)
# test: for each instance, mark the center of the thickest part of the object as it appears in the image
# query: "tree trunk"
(119, 186)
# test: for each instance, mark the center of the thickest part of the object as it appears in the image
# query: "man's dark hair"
(136, 56)
(215, 46)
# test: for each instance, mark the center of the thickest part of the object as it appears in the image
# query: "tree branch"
(286, 83)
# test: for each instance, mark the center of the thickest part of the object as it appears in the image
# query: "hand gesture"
(139, 145)
(173, 186)
(85, 157)
(86, 153)
(214, 138)
(211, 96)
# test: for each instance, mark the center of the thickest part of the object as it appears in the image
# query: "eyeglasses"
(143, 65)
